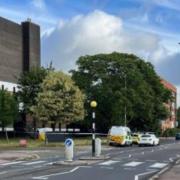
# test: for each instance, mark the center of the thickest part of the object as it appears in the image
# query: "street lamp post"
(93, 105)
(125, 117)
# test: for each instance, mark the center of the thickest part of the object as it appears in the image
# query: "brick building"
(19, 50)
(170, 122)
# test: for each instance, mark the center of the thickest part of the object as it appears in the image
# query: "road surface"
(125, 163)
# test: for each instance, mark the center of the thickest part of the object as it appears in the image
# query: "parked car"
(136, 138)
(120, 135)
(149, 139)
(177, 137)
(153, 133)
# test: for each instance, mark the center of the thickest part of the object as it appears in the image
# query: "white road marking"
(159, 173)
(171, 159)
(3, 172)
(106, 163)
(107, 167)
(158, 165)
(133, 163)
(56, 174)
(34, 162)
(11, 163)
(136, 177)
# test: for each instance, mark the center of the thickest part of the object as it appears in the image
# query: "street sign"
(69, 146)
(68, 142)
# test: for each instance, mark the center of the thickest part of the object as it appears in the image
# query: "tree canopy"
(29, 86)
(8, 108)
(60, 100)
(122, 84)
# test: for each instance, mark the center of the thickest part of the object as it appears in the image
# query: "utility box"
(69, 149)
(97, 147)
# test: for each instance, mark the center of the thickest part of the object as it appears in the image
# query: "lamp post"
(93, 105)
(125, 86)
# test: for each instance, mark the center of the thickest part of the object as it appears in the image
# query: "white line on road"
(34, 162)
(56, 174)
(133, 163)
(107, 167)
(11, 163)
(106, 163)
(136, 177)
(158, 165)
(3, 172)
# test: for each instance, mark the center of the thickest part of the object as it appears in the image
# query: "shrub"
(170, 132)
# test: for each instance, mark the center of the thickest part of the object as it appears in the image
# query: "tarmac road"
(125, 163)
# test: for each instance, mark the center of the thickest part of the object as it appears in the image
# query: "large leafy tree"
(122, 84)
(29, 87)
(60, 100)
(8, 108)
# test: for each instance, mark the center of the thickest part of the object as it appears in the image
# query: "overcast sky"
(71, 28)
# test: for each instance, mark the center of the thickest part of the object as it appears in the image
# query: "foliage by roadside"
(122, 84)
(29, 86)
(8, 108)
(170, 132)
(60, 100)
(34, 144)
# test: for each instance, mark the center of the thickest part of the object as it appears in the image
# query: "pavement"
(173, 173)
(125, 163)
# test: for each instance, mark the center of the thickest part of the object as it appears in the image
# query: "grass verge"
(13, 143)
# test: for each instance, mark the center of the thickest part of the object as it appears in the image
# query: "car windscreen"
(134, 135)
(144, 136)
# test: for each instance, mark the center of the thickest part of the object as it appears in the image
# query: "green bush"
(170, 132)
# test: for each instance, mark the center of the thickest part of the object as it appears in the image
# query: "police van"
(120, 135)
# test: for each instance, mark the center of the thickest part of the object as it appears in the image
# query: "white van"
(120, 135)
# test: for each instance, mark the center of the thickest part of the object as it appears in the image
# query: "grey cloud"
(169, 68)
(96, 32)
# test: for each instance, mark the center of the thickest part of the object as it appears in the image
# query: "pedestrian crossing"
(22, 163)
(108, 163)
(133, 164)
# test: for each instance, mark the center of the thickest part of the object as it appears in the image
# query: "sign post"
(69, 149)
(93, 105)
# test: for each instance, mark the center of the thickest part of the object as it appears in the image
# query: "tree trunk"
(34, 124)
(53, 125)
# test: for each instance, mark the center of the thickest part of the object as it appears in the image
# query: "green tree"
(29, 87)
(8, 108)
(122, 84)
(60, 100)
(178, 116)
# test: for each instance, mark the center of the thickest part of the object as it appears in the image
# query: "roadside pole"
(93, 105)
